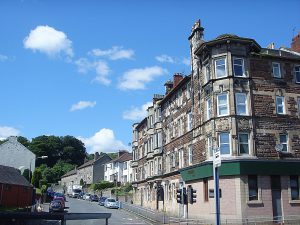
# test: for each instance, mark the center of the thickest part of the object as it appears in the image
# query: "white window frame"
(286, 143)
(229, 143)
(188, 90)
(279, 69)
(298, 102)
(245, 104)
(297, 72)
(208, 109)
(248, 143)
(280, 105)
(207, 73)
(189, 121)
(225, 63)
(190, 155)
(243, 66)
(218, 105)
(210, 147)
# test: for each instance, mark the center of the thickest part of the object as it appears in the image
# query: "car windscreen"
(111, 200)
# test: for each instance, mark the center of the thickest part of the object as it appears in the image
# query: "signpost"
(216, 165)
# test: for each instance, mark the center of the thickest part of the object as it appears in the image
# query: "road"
(118, 217)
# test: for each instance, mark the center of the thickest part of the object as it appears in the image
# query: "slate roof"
(91, 162)
(71, 172)
(10, 175)
(123, 158)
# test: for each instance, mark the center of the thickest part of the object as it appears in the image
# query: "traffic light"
(192, 195)
(179, 196)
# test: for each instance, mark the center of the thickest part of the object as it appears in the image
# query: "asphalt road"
(118, 217)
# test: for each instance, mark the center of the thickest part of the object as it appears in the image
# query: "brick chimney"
(177, 77)
(295, 45)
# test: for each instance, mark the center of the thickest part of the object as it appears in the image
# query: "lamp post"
(40, 157)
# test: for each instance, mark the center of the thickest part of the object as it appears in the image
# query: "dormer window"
(276, 70)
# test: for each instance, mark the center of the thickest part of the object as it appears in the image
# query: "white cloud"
(102, 70)
(49, 41)
(3, 58)
(5, 132)
(100, 67)
(82, 105)
(137, 78)
(165, 59)
(137, 113)
(186, 61)
(103, 141)
(115, 53)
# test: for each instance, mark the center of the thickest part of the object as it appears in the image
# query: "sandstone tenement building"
(242, 99)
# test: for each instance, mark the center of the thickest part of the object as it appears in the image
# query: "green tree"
(26, 174)
(81, 182)
(73, 150)
(50, 146)
(36, 177)
(24, 141)
(102, 185)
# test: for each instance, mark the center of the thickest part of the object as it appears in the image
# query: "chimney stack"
(169, 86)
(177, 77)
(96, 156)
(295, 45)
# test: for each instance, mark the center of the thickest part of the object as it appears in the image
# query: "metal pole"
(217, 196)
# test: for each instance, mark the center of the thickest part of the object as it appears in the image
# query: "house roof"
(123, 158)
(10, 175)
(91, 162)
(71, 172)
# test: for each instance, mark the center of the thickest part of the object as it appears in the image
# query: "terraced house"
(244, 100)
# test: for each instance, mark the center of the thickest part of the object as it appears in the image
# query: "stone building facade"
(16, 155)
(245, 102)
(119, 170)
(90, 172)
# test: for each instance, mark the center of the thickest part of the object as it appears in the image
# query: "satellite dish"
(279, 147)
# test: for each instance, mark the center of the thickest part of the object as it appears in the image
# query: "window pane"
(238, 69)
(222, 99)
(222, 110)
(283, 138)
(253, 188)
(244, 149)
(220, 68)
(297, 73)
(241, 98)
(276, 70)
(243, 138)
(224, 143)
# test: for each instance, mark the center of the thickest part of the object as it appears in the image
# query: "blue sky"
(89, 68)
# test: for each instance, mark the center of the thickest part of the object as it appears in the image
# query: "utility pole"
(216, 165)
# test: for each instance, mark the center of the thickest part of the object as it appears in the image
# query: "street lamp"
(40, 157)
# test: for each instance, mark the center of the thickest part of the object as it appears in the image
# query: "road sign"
(217, 158)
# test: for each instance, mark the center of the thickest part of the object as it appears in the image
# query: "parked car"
(80, 195)
(56, 205)
(111, 203)
(94, 198)
(87, 196)
(58, 194)
(102, 200)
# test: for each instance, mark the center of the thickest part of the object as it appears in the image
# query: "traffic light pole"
(217, 194)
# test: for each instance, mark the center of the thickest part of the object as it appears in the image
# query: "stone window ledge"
(294, 201)
(255, 202)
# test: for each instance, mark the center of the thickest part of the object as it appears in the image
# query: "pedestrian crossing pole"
(216, 165)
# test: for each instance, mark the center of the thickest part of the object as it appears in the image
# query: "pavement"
(118, 216)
